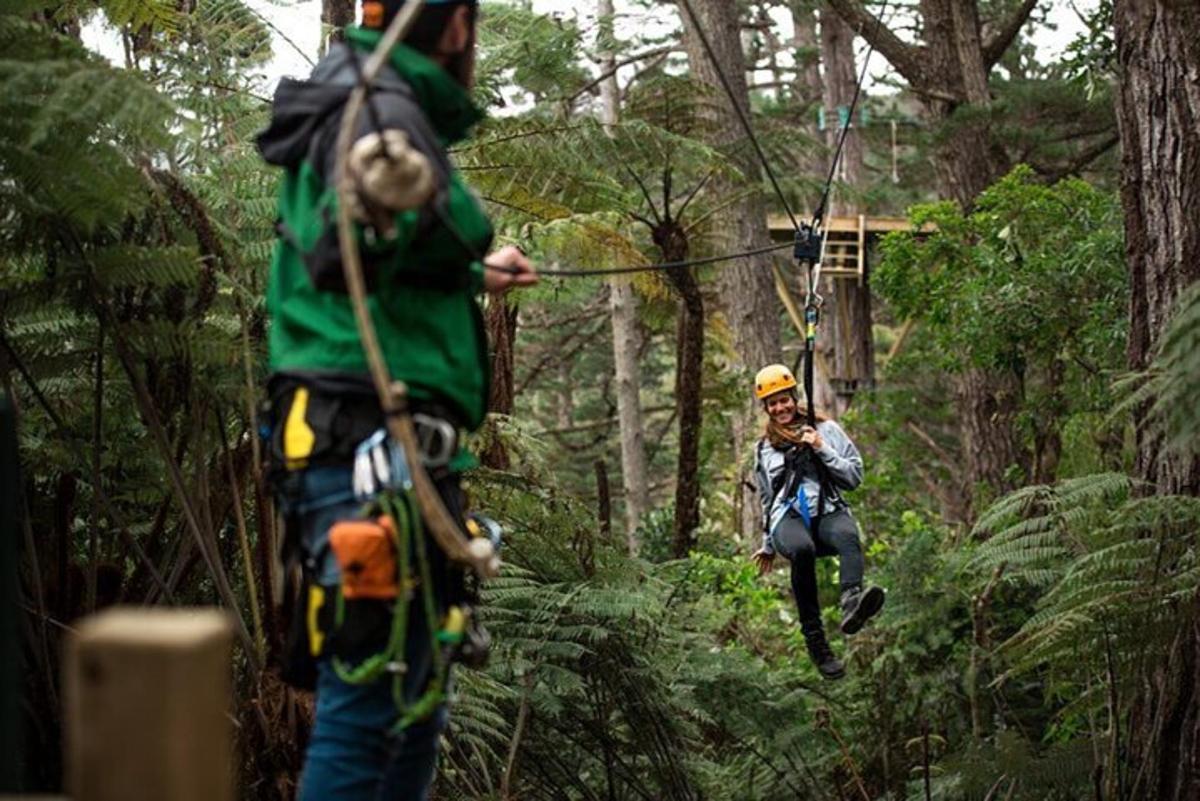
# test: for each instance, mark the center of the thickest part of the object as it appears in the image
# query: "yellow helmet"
(771, 379)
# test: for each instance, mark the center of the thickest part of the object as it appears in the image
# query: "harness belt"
(317, 420)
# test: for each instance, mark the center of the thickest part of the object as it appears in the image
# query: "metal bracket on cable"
(807, 246)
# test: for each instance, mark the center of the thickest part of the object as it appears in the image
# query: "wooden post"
(147, 694)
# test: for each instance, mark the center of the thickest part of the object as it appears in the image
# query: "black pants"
(836, 536)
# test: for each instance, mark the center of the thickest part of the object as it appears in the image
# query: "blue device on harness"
(799, 504)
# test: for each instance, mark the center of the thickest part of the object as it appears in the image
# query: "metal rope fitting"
(807, 247)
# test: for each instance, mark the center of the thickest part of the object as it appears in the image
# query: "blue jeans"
(353, 754)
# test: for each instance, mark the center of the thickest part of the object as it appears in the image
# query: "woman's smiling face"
(781, 407)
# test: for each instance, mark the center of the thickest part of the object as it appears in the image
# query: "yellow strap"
(298, 437)
(316, 637)
(455, 620)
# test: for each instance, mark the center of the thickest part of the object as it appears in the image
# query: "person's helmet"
(771, 379)
(378, 13)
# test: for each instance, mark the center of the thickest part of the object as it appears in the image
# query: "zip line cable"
(646, 268)
(741, 115)
(813, 300)
(819, 214)
(474, 253)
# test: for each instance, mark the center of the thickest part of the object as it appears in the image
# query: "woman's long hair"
(783, 435)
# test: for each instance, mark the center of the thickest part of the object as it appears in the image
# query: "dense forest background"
(1019, 366)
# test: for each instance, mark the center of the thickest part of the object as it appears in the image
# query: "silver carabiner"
(438, 439)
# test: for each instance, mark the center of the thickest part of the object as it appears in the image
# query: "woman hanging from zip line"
(801, 471)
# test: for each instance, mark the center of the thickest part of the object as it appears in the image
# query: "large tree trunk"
(988, 402)
(808, 88)
(747, 287)
(625, 332)
(968, 161)
(1158, 114)
(853, 340)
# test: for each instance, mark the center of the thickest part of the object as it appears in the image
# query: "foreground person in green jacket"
(422, 234)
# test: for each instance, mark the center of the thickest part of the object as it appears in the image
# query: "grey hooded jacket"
(845, 472)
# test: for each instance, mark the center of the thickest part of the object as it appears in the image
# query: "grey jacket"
(845, 471)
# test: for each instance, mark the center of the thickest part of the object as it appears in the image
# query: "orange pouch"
(367, 557)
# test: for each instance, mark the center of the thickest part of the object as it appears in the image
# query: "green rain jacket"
(422, 281)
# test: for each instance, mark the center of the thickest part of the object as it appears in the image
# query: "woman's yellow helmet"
(771, 379)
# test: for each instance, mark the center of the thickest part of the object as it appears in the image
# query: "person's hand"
(765, 560)
(810, 436)
(506, 268)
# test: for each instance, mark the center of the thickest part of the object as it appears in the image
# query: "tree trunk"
(1158, 115)
(625, 333)
(689, 375)
(841, 78)
(626, 337)
(500, 319)
(808, 86)
(1046, 420)
(854, 344)
(967, 162)
(746, 286)
(988, 403)
(335, 16)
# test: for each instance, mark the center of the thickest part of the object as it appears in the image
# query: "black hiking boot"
(821, 654)
(859, 606)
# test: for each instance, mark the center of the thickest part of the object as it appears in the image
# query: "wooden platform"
(847, 240)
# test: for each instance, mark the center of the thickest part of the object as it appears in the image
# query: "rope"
(741, 115)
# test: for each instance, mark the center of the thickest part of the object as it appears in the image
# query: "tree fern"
(1115, 571)
(1171, 386)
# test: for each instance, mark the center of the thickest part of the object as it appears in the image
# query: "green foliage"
(1172, 384)
(157, 15)
(1033, 273)
(1031, 281)
(1115, 575)
(1091, 58)
(533, 54)
(72, 133)
(1023, 771)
